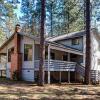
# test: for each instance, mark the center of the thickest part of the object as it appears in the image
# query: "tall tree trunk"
(51, 19)
(42, 45)
(68, 21)
(32, 27)
(88, 45)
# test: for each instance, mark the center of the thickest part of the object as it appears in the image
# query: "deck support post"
(49, 64)
(69, 70)
(60, 77)
(75, 76)
(68, 76)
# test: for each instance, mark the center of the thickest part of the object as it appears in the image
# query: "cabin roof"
(51, 40)
(62, 46)
(7, 41)
(12, 36)
(66, 36)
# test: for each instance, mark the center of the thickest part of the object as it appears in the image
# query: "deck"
(56, 65)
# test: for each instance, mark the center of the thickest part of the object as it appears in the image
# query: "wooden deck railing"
(57, 65)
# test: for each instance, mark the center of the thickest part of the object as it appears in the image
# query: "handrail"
(57, 65)
(80, 65)
(80, 69)
(57, 61)
(94, 73)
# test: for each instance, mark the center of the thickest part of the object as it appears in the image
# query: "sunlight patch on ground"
(20, 90)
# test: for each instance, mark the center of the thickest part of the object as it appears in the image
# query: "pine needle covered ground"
(24, 91)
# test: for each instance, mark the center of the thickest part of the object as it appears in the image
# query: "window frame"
(28, 58)
(75, 41)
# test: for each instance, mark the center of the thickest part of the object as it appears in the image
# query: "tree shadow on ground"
(26, 91)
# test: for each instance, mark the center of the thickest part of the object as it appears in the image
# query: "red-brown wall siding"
(16, 58)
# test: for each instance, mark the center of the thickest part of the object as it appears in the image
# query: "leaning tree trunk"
(88, 44)
(42, 45)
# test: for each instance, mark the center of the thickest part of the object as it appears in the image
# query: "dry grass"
(10, 90)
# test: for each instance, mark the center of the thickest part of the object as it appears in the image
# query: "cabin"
(64, 57)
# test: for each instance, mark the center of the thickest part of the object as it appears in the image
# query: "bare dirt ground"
(11, 90)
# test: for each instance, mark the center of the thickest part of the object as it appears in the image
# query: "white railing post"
(68, 56)
(49, 64)
(34, 58)
(84, 49)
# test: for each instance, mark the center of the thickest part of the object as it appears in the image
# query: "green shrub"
(15, 75)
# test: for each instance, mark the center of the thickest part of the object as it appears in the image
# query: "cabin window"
(75, 41)
(10, 52)
(27, 52)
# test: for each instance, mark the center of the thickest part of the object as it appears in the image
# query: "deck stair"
(95, 74)
(80, 69)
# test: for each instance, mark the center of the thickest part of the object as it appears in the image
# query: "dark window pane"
(75, 41)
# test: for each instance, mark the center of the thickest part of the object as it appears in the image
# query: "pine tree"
(31, 15)
(7, 18)
(88, 44)
(62, 16)
(42, 44)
